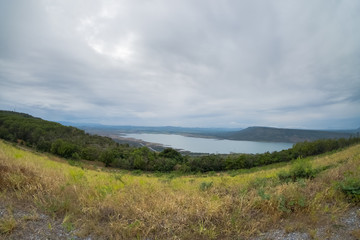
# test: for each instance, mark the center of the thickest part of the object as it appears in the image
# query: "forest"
(75, 144)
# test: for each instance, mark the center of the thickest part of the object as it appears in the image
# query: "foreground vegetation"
(73, 143)
(111, 204)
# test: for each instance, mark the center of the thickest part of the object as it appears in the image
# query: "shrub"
(301, 168)
(63, 148)
(205, 186)
(75, 156)
(171, 153)
(107, 157)
(164, 164)
(291, 203)
(351, 187)
(263, 195)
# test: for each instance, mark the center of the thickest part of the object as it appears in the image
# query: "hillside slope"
(245, 204)
(73, 143)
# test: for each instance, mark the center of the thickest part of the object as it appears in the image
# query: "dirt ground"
(29, 224)
(32, 225)
(346, 227)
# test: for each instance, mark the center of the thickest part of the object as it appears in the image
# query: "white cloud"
(187, 63)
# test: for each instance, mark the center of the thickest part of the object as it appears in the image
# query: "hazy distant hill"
(92, 128)
(285, 135)
(259, 134)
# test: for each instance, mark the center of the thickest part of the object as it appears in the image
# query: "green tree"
(107, 157)
(171, 153)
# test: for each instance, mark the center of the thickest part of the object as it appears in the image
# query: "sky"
(203, 63)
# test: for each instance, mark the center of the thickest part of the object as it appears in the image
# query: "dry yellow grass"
(119, 205)
(7, 224)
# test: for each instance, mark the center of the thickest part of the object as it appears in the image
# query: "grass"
(7, 223)
(116, 204)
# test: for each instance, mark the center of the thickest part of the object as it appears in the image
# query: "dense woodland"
(75, 144)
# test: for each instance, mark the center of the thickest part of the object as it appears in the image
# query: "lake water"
(209, 145)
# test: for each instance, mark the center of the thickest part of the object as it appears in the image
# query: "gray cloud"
(186, 63)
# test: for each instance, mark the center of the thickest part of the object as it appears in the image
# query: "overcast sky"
(196, 63)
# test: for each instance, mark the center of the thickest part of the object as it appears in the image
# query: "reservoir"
(209, 145)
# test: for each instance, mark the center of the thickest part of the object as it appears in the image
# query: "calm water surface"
(209, 145)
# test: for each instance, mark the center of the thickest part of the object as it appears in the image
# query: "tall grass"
(120, 205)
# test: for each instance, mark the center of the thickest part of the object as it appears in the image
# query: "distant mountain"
(259, 134)
(163, 129)
(269, 134)
(345, 130)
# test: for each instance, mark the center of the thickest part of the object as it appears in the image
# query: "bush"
(164, 164)
(63, 148)
(107, 157)
(351, 187)
(301, 168)
(75, 156)
(205, 186)
(291, 203)
(171, 153)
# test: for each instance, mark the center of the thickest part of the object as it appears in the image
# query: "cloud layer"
(185, 63)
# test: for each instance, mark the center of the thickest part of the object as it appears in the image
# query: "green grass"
(115, 204)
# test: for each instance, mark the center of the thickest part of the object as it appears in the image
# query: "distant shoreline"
(255, 134)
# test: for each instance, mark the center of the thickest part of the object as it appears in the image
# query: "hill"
(148, 129)
(43, 197)
(268, 134)
(257, 134)
(76, 145)
(105, 130)
(47, 136)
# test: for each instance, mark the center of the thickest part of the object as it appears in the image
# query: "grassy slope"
(119, 205)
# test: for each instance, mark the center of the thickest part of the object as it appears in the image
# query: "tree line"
(76, 144)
